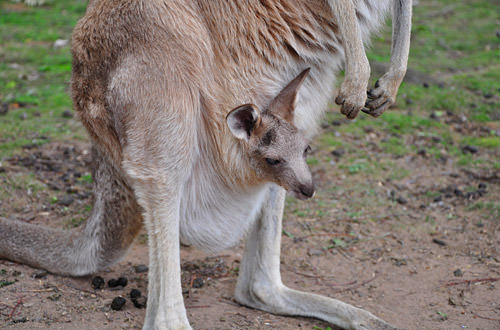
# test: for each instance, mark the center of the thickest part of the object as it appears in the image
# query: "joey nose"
(307, 190)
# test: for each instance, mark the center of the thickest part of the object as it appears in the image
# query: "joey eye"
(272, 162)
(307, 150)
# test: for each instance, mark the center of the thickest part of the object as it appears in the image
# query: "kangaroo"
(199, 113)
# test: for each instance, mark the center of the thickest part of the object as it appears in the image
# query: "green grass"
(485, 142)
(36, 73)
(455, 42)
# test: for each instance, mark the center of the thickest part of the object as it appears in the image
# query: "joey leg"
(384, 94)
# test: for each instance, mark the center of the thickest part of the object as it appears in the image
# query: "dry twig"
(489, 279)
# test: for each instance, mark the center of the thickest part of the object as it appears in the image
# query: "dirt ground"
(418, 251)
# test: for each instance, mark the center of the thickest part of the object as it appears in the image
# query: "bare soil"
(414, 251)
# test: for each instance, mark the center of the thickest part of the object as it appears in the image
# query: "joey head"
(276, 148)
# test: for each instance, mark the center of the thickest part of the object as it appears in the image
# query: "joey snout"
(305, 191)
(303, 186)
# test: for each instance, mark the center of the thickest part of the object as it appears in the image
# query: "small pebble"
(315, 252)
(97, 283)
(458, 272)
(198, 283)
(439, 242)
(66, 200)
(482, 186)
(438, 199)
(338, 152)
(20, 319)
(401, 200)
(118, 303)
(469, 149)
(141, 268)
(60, 43)
(40, 274)
(67, 114)
(4, 108)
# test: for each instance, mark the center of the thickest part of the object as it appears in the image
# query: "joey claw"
(349, 109)
(377, 112)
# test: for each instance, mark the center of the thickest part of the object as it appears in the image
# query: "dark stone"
(67, 114)
(97, 283)
(368, 129)
(20, 319)
(422, 152)
(118, 303)
(439, 242)
(40, 274)
(436, 139)
(438, 199)
(458, 272)
(425, 84)
(482, 186)
(470, 149)
(141, 268)
(198, 283)
(401, 200)
(4, 108)
(66, 200)
(399, 262)
(338, 152)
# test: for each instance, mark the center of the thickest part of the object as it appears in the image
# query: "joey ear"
(243, 120)
(283, 105)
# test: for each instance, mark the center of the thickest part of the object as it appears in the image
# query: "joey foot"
(383, 95)
(351, 98)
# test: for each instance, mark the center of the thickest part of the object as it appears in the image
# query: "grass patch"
(484, 142)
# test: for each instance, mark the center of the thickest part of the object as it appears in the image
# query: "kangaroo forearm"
(355, 57)
(401, 29)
